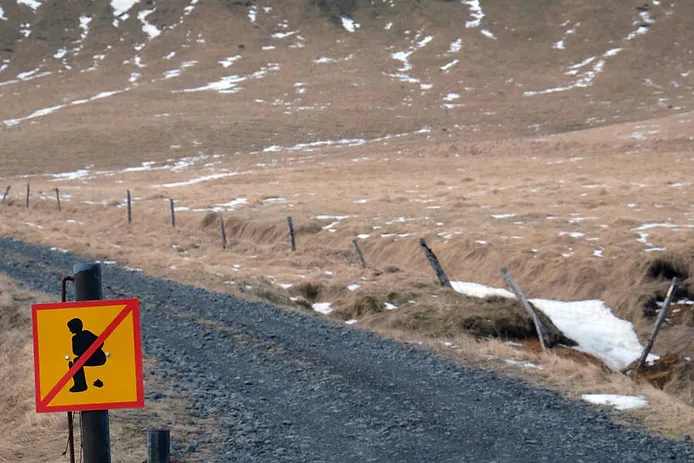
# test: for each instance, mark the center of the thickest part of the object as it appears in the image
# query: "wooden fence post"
(292, 237)
(173, 213)
(541, 334)
(130, 210)
(158, 446)
(57, 197)
(435, 264)
(658, 324)
(7, 191)
(28, 193)
(360, 254)
(224, 233)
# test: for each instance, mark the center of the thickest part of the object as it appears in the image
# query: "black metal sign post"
(96, 441)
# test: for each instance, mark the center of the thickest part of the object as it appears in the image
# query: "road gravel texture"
(285, 387)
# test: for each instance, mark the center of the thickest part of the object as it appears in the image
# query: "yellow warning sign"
(87, 356)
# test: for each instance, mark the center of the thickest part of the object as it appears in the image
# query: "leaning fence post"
(224, 233)
(435, 264)
(130, 210)
(28, 193)
(158, 446)
(57, 197)
(292, 237)
(173, 213)
(528, 308)
(7, 191)
(360, 254)
(659, 323)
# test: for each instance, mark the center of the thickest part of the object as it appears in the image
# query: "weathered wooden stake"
(435, 264)
(7, 191)
(57, 196)
(360, 254)
(28, 193)
(224, 233)
(659, 323)
(528, 308)
(130, 210)
(158, 446)
(292, 237)
(173, 213)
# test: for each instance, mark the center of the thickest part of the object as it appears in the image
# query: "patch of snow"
(33, 4)
(523, 363)
(390, 306)
(120, 7)
(148, 28)
(283, 35)
(480, 291)
(193, 181)
(388, 26)
(558, 45)
(60, 53)
(475, 11)
(596, 330)
(351, 322)
(226, 62)
(349, 24)
(448, 66)
(503, 216)
(353, 287)
(456, 46)
(590, 323)
(620, 402)
(323, 307)
(2, 15)
(404, 58)
(252, 13)
(488, 34)
(230, 206)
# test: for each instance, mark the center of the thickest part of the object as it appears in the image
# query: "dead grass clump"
(310, 228)
(364, 305)
(309, 291)
(669, 268)
(681, 383)
(209, 219)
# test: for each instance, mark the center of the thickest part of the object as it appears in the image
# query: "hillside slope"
(112, 82)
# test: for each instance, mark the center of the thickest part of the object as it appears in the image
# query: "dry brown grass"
(604, 195)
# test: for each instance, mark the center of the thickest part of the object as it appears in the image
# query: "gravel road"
(283, 387)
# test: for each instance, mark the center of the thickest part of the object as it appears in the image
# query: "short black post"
(57, 196)
(224, 233)
(158, 446)
(7, 192)
(173, 213)
(28, 193)
(360, 254)
(292, 237)
(130, 210)
(96, 441)
(435, 264)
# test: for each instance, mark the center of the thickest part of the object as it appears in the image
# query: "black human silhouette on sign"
(81, 341)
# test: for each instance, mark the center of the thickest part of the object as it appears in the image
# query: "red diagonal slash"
(84, 357)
